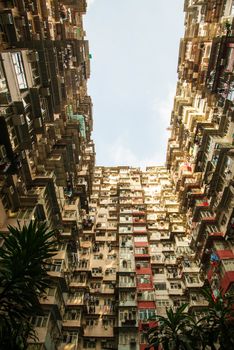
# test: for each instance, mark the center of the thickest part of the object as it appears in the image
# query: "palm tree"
(23, 279)
(173, 332)
(218, 325)
(180, 331)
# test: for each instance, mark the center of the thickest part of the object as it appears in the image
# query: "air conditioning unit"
(2, 152)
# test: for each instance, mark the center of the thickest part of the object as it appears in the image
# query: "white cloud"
(90, 2)
(119, 154)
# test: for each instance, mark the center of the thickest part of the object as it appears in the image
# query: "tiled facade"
(131, 242)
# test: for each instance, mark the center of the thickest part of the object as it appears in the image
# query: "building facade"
(201, 146)
(47, 155)
(131, 242)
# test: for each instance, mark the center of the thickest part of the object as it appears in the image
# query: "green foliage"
(23, 278)
(180, 331)
(174, 331)
(218, 325)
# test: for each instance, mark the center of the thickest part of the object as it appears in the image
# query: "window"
(228, 264)
(77, 296)
(160, 286)
(39, 321)
(95, 285)
(56, 265)
(70, 337)
(96, 270)
(158, 270)
(232, 9)
(51, 291)
(143, 264)
(19, 70)
(175, 285)
(163, 303)
(141, 250)
(146, 295)
(111, 257)
(143, 338)
(72, 315)
(147, 314)
(3, 84)
(143, 279)
(140, 239)
(221, 245)
(192, 279)
(91, 322)
(127, 315)
(126, 280)
(179, 302)
(100, 234)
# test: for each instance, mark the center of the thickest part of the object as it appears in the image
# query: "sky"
(134, 46)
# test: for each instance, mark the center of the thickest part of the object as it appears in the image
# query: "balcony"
(173, 274)
(69, 340)
(103, 308)
(190, 267)
(192, 281)
(79, 281)
(197, 300)
(125, 220)
(127, 282)
(127, 299)
(126, 265)
(142, 252)
(177, 228)
(157, 258)
(167, 248)
(176, 288)
(84, 265)
(110, 273)
(42, 326)
(139, 229)
(97, 271)
(98, 328)
(128, 317)
(53, 299)
(69, 215)
(227, 267)
(72, 319)
(170, 259)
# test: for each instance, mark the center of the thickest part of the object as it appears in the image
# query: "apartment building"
(132, 242)
(138, 256)
(47, 154)
(200, 149)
